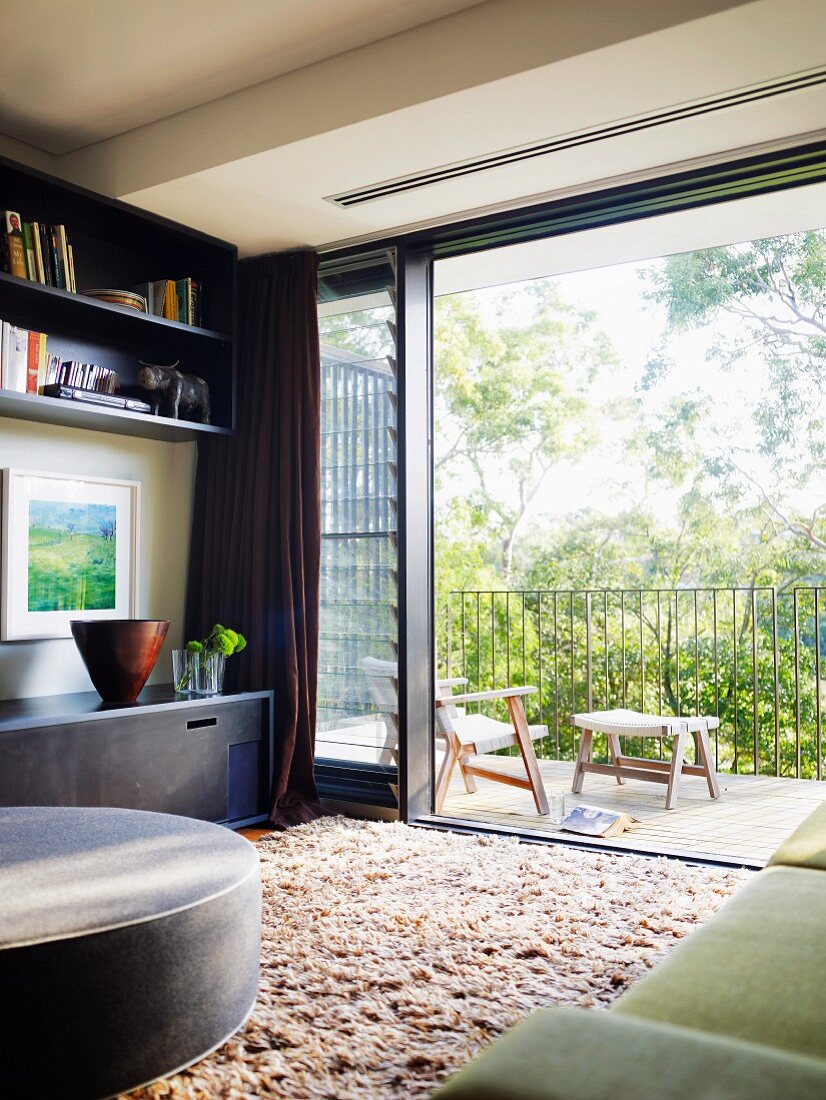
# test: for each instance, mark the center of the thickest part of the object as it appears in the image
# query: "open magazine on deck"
(594, 821)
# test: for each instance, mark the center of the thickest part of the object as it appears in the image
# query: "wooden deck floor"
(745, 825)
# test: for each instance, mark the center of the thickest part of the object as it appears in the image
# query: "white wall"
(166, 475)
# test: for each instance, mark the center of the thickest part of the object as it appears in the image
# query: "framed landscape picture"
(69, 551)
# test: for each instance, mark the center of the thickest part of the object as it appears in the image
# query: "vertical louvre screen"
(358, 614)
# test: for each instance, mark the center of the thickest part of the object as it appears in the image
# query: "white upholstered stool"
(630, 723)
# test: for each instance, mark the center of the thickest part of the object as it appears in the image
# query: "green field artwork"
(71, 556)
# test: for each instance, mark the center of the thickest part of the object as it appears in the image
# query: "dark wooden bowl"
(119, 654)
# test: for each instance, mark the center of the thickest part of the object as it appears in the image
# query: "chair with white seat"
(464, 736)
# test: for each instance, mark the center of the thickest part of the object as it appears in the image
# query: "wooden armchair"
(465, 736)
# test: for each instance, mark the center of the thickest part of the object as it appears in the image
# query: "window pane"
(358, 616)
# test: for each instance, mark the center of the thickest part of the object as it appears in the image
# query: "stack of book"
(83, 376)
(174, 299)
(36, 251)
(25, 364)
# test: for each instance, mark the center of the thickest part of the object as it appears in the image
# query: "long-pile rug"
(392, 954)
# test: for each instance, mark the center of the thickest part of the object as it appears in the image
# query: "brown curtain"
(256, 540)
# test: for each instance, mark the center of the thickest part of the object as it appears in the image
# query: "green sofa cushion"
(756, 972)
(577, 1054)
(806, 847)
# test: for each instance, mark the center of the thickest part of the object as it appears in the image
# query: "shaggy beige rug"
(391, 954)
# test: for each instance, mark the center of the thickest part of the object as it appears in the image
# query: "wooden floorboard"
(746, 824)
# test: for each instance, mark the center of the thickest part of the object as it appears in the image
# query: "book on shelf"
(46, 250)
(14, 357)
(37, 244)
(170, 300)
(36, 362)
(28, 247)
(60, 279)
(188, 295)
(174, 299)
(35, 251)
(12, 244)
(63, 254)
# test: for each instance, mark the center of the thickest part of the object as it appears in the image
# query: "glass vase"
(183, 672)
(209, 673)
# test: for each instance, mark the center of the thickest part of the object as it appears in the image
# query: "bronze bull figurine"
(172, 393)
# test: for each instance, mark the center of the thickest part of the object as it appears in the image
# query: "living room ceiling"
(260, 164)
(81, 72)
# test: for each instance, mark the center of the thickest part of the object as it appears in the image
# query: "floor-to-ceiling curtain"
(256, 540)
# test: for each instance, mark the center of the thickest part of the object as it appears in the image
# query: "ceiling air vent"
(768, 90)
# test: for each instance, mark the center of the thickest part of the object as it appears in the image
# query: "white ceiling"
(275, 199)
(254, 165)
(76, 73)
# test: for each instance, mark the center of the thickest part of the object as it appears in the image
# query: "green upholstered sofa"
(736, 1012)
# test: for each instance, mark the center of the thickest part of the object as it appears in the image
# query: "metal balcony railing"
(751, 656)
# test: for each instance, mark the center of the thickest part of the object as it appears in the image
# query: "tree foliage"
(519, 403)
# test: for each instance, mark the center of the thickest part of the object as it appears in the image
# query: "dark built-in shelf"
(121, 246)
(106, 318)
(76, 414)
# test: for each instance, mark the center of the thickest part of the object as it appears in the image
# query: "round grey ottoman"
(129, 946)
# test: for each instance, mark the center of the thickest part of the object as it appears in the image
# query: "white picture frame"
(70, 550)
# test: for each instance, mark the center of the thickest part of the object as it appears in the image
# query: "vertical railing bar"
(464, 636)
(573, 681)
(622, 631)
(736, 677)
(818, 735)
(478, 641)
(507, 639)
(796, 684)
(755, 733)
(492, 642)
(588, 654)
(659, 667)
(696, 659)
(677, 648)
(449, 662)
(716, 679)
(642, 663)
(524, 638)
(659, 657)
(556, 671)
(776, 669)
(539, 663)
(605, 641)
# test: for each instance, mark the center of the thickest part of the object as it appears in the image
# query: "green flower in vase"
(220, 640)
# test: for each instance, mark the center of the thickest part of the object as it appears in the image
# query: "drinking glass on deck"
(556, 807)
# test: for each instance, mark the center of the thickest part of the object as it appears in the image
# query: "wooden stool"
(630, 723)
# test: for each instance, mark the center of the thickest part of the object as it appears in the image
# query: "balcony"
(751, 656)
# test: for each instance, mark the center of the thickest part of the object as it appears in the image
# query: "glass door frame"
(723, 181)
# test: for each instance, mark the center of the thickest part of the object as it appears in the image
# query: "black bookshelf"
(117, 245)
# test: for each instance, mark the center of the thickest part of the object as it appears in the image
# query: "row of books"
(36, 251)
(25, 364)
(27, 367)
(84, 376)
(174, 299)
